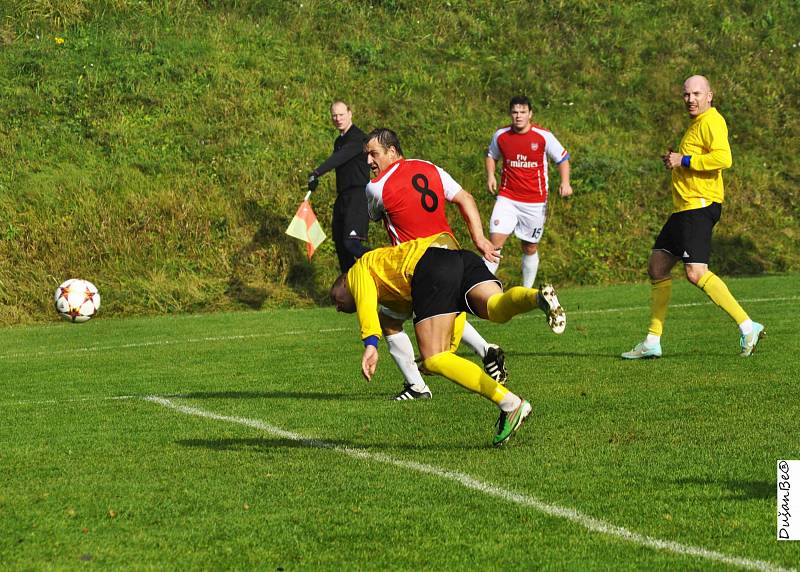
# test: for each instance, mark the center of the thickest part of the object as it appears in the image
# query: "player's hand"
(491, 184)
(672, 160)
(489, 251)
(313, 181)
(565, 190)
(369, 362)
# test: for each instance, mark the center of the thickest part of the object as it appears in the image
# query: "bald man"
(350, 220)
(697, 195)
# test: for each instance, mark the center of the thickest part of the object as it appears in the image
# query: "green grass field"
(263, 447)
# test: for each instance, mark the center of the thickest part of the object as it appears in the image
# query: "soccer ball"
(77, 300)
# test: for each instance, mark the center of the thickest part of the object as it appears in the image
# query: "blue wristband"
(371, 341)
(686, 160)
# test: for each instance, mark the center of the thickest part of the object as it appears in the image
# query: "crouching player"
(439, 282)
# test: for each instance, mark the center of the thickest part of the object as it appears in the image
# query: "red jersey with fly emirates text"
(524, 158)
(410, 198)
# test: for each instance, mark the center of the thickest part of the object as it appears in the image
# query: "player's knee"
(655, 271)
(694, 273)
(389, 327)
(356, 247)
(432, 365)
(498, 240)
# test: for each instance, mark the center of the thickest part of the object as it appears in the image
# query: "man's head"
(341, 116)
(382, 148)
(521, 113)
(341, 296)
(697, 95)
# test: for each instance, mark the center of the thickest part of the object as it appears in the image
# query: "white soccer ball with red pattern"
(77, 300)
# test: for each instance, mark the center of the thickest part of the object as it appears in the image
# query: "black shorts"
(687, 234)
(350, 218)
(442, 280)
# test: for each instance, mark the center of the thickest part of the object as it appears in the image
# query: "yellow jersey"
(384, 276)
(706, 141)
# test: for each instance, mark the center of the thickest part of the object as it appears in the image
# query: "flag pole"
(308, 194)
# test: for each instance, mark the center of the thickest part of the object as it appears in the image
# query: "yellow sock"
(660, 292)
(716, 289)
(466, 374)
(458, 331)
(502, 307)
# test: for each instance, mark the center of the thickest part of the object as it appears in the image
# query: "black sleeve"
(340, 157)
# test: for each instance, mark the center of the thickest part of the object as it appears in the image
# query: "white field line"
(72, 400)
(588, 522)
(686, 305)
(85, 398)
(159, 343)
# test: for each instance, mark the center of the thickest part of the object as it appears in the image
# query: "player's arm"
(375, 208)
(365, 293)
(472, 217)
(337, 159)
(369, 362)
(491, 178)
(493, 154)
(563, 171)
(715, 138)
(719, 154)
(340, 157)
(560, 156)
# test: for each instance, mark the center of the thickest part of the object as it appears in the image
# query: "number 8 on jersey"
(414, 192)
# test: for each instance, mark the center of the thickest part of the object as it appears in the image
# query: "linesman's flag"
(305, 227)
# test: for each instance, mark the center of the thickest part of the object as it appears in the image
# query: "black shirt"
(349, 160)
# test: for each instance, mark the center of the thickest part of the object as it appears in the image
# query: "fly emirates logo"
(521, 162)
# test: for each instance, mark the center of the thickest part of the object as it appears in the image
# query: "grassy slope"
(160, 151)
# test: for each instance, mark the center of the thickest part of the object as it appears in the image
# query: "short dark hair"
(520, 100)
(341, 281)
(386, 137)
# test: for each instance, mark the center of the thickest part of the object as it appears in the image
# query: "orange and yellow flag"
(305, 227)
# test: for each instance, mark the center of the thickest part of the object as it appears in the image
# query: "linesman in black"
(350, 218)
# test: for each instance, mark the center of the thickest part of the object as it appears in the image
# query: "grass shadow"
(735, 489)
(320, 395)
(616, 356)
(264, 443)
(257, 443)
(736, 256)
(591, 355)
(270, 256)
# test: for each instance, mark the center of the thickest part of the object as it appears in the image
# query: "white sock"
(746, 327)
(652, 340)
(492, 266)
(403, 353)
(473, 339)
(530, 264)
(509, 402)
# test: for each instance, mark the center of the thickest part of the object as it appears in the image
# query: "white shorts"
(526, 220)
(401, 316)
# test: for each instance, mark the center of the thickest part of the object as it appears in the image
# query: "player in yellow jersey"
(438, 283)
(697, 194)
(409, 196)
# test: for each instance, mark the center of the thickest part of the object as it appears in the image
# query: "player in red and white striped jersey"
(521, 205)
(409, 195)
